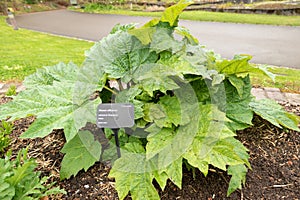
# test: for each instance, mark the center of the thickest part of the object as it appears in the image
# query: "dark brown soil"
(274, 157)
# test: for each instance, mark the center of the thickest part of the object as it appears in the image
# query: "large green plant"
(188, 104)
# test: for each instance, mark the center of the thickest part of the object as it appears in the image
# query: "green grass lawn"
(212, 16)
(287, 80)
(23, 51)
(242, 18)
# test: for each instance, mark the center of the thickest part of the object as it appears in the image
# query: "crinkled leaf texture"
(55, 102)
(119, 54)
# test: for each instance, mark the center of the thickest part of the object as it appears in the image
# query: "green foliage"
(5, 129)
(188, 102)
(81, 152)
(274, 113)
(19, 180)
(94, 7)
(30, 1)
(12, 91)
(50, 97)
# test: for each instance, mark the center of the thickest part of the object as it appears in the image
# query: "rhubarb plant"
(189, 102)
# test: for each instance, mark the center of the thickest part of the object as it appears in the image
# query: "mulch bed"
(274, 157)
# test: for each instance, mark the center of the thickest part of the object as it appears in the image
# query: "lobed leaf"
(172, 172)
(214, 143)
(238, 177)
(238, 100)
(133, 174)
(55, 104)
(275, 114)
(240, 66)
(81, 153)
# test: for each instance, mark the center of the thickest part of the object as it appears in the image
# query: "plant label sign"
(115, 115)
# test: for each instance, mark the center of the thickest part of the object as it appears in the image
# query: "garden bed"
(274, 157)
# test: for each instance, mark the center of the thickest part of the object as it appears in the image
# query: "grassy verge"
(211, 16)
(287, 80)
(23, 51)
(242, 18)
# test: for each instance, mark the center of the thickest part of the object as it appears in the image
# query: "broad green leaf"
(61, 72)
(80, 153)
(157, 141)
(59, 104)
(148, 32)
(161, 178)
(264, 69)
(214, 143)
(218, 153)
(168, 111)
(185, 64)
(193, 159)
(162, 40)
(201, 89)
(154, 77)
(128, 96)
(275, 114)
(225, 153)
(174, 145)
(238, 177)
(119, 54)
(240, 66)
(172, 172)
(197, 58)
(237, 103)
(138, 184)
(90, 78)
(144, 34)
(172, 13)
(238, 83)
(133, 174)
(187, 35)
(54, 108)
(153, 22)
